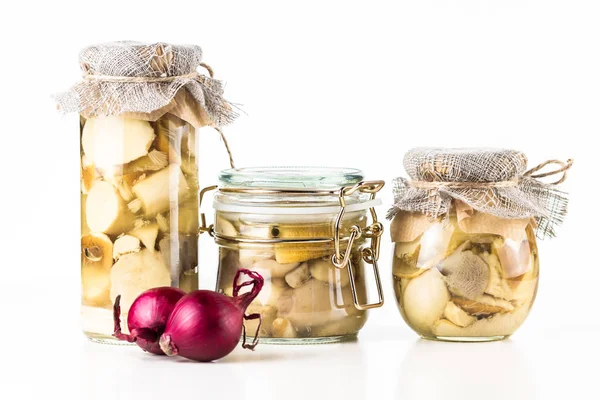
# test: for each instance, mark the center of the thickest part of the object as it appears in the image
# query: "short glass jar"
(304, 230)
(462, 281)
(465, 223)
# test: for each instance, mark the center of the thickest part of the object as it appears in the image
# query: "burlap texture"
(128, 64)
(510, 193)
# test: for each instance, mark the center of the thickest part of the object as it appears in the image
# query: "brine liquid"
(304, 296)
(139, 213)
(451, 285)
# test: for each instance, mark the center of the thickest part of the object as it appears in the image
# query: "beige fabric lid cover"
(125, 77)
(492, 181)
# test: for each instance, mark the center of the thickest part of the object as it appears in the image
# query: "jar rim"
(301, 210)
(292, 177)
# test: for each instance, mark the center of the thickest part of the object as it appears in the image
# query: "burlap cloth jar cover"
(494, 182)
(133, 77)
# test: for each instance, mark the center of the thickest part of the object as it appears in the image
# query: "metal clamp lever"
(369, 254)
(203, 228)
(380, 299)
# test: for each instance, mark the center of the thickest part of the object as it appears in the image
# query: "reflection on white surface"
(438, 370)
(118, 372)
(271, 372)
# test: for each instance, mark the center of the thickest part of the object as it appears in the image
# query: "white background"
(321, 83)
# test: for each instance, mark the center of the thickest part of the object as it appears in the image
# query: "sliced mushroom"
(299, 276)
(425, 299)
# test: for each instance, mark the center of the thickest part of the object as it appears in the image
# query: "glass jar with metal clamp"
(305, 230)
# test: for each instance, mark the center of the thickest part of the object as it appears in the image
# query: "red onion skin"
(147, 317)
(206, 325)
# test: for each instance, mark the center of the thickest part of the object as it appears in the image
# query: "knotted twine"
(492, 181)
(137, 78)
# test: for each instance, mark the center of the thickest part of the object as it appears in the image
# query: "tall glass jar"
(304, 230)
(141, 106)
(139, 202)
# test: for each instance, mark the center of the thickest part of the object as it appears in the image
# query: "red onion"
(147, 317)
(207, 325)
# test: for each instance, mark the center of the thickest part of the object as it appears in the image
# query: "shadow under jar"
(291, 225)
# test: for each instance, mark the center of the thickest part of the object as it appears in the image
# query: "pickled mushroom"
(154, 161)
(408, 250)
(276, 269)
(425, 299)
(249, 256)
(515, 257)
(124, 190)
(315, 303)
(457, 315)
(287, 253)
(225, 228)
(147, 235)
(459, 237)
(466, 274)
(272, 294)
(135, 273)
(276, 290)
(96, 262)
(123, 182)
(408, 226)
(106, 211)
(155, 192)
(484, 305)
(298, 276)
(496, 325)
(444, 327)
(126, 244)
(268, 314)
(96, 251)
(324, 270)
(434, 245)
(115, 140)
(283, 328)
(405, 260)
(497, 286)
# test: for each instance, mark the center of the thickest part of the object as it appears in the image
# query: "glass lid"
(295, 178)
